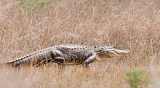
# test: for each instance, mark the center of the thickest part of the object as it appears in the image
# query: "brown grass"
(125, 24)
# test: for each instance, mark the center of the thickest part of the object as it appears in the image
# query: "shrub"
(137, 78)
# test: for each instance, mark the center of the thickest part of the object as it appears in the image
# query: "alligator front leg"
(90, 59)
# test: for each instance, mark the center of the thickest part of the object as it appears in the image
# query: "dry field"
(28, 25)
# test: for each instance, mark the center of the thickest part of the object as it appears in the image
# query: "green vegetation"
(137, 78)
(33, 6)
(35, 3)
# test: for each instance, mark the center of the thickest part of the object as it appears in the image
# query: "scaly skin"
(69, 55)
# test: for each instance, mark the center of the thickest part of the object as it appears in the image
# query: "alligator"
(68, 55)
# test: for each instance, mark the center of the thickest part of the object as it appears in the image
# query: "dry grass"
(125, 24)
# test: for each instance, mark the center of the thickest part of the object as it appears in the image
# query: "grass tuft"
(137, 78)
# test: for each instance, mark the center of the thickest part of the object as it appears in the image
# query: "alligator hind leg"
(61, 65)
(44, 61)
(48, 57)
(60, 61)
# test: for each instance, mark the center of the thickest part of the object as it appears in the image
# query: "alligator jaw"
(111, 53)
(123, 52)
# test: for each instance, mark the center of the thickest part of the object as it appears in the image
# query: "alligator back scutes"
(33, 58)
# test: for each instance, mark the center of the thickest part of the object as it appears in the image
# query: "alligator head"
(106, 52)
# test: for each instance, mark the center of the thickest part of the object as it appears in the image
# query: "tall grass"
(125, 24)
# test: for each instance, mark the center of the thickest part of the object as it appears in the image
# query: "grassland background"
(126, 24)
